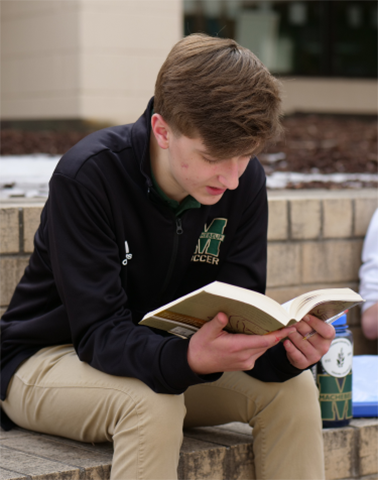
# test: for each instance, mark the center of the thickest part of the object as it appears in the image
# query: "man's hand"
(303, 353)
(212, 349)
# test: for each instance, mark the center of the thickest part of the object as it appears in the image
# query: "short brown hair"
(213, 88)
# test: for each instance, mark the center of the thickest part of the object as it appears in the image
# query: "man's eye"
(210, 160)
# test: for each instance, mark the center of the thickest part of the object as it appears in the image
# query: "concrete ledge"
(208, 453)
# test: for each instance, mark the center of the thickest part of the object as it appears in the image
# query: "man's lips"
(215, 190)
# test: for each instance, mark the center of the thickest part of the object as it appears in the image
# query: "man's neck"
(160, 168)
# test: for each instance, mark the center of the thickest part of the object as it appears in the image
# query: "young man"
(137, 216)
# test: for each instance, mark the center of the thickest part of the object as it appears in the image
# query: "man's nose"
(229, 176)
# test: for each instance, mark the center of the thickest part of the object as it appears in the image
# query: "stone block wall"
(18, 224)
(315, 240)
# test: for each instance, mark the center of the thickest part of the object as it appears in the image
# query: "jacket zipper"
(179, 231)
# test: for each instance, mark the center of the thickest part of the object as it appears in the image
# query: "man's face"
(191, 170)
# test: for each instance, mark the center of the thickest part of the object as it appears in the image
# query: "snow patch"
(28, 175)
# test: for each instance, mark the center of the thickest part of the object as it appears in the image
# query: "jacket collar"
(140, 139)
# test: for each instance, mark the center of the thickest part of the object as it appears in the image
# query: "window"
(310, 38)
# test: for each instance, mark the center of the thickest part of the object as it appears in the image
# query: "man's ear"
(161, 130)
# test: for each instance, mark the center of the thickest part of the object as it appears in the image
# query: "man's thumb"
(219, 321)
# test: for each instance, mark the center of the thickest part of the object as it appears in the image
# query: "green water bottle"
(334, 378)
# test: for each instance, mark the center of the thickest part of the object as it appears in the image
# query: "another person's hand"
(369, 322)
(301, 352)
(212, 349)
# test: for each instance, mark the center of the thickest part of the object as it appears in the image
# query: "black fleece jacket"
(81, 288)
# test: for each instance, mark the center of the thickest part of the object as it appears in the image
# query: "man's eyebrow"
(204, 152)
(211, 157)
(207, 154)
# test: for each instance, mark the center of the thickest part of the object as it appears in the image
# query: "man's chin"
(209, 199)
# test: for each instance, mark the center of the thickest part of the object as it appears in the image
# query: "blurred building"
(325, 52)
(93, 60)
(97, 60)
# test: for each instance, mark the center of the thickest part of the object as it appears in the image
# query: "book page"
(248, 311)
(323, 303)
(169, 325)
(243, 318)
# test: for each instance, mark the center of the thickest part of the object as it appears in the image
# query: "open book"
(248, 311)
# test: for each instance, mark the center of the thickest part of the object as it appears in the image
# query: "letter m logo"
(210, 239)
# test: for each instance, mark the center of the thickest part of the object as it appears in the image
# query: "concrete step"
(208, 453)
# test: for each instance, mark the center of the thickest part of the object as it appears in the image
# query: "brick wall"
(314, 241)
(18, 224)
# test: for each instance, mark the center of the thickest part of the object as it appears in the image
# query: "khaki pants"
(53, 392)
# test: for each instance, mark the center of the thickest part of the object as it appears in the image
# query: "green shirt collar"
(177, 207)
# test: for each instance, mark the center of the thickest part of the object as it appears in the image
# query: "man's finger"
(219, 321)
(279, 335)
(216, 325)
(303, 328)
(266, 341)
(296, 357)
(325, 330)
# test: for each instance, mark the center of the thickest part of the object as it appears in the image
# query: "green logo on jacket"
(209, 242)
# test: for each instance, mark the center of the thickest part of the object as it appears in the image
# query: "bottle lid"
(340, 321)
